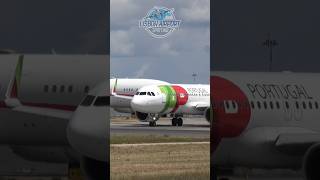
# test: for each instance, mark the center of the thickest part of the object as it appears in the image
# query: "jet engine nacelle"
(94, 169)
(147, 117)
(311, 163)
(142, 116)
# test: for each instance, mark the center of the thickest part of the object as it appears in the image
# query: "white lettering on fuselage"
(197, 92)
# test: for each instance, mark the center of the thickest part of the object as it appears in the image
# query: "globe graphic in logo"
(160, 22)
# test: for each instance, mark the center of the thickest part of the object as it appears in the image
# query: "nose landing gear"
(153, 120)
(177, 121)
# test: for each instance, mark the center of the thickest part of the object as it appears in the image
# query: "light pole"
(270, 43)
(194, 75)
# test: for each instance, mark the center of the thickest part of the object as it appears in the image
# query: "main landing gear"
(152, 123)
(177, 121)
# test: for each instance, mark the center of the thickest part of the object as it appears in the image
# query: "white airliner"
(123, 90)
(40, 117)
(153, 101)
(266, 120)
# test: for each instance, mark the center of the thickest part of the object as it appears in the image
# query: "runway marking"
(155, 144)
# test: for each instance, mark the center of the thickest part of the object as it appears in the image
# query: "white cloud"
(166, 48)
(120, 43)
(142, 71)
(124, 13)
(196, 11)
(134, 53)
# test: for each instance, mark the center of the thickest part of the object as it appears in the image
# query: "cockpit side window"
(143, 93)
(149, 94)
(102, 101)
(137, 93)
(153, 94)
(87, 101)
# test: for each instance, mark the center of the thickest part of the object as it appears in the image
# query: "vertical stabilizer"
(14, 84)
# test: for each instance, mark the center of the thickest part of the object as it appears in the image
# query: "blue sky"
(135, 53)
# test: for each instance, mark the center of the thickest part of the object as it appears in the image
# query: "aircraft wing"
(296, 143)
(201, 106)
(15, 105)
(62, 114)
(114, 95)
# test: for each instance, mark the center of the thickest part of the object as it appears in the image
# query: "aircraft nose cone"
(146, 104)
(138, 104)
(87, 131)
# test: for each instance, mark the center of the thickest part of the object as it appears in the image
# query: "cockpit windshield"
(87, 101)
(145, 93)
(102, 101)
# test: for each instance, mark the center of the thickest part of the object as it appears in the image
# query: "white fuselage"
(47, 81)
(58, 80)
(172, 99)
(127, 87)
(252, 110)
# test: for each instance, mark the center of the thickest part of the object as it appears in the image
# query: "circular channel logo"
(160, 22)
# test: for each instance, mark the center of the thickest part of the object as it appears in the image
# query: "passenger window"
(271, 104)
(265, 105)
(297, 104)
(258, 104)
(102, 101)
(287, 105)
(278, 105)
(86, 89)
(310, 105)
(252, 104)
(304, 105)
(316, 105)
(62, 88)
(87, 101)
(70, 88)
(54, 88)
(46, 88)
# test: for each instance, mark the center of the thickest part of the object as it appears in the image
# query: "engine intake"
(311, 163)
(207, 114)
(142, 116)
(94, 169)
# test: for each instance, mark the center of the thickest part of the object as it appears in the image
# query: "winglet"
(114, 93)
(14, 84)
(114, 87)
